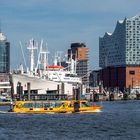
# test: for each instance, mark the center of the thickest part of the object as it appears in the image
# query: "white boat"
(39, 83)
(45, 79)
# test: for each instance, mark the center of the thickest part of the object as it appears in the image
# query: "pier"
(108, 95)
(5, 103)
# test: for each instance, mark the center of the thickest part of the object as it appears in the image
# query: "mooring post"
(29, 90)
(62, 88)
(19, 91)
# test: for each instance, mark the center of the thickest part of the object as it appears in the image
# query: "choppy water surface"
(119, 120)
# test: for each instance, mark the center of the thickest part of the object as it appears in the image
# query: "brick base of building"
(120, 77)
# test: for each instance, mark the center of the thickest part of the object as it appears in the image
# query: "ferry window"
(46, 105)
(38, 105)
(52, 104)
(58, 104)
(84, 104)
(132, 72)
(28, 105)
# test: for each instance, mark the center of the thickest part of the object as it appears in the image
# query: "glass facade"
(133, 41)
(4, 56)
(122, 47)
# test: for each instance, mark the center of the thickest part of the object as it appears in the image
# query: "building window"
(132, 72)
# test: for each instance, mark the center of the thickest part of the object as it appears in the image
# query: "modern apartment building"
(119, 54)
(79, 52)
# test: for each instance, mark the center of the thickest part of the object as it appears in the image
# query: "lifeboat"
(66, 106)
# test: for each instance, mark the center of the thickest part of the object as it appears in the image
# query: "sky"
(62, 22)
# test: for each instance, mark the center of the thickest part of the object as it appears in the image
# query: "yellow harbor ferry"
(56, 106)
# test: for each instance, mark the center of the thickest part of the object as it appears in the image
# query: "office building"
(4, 54)
(79, 52)
(4, 64)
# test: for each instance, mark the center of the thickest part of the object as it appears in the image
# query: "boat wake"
(6, 112)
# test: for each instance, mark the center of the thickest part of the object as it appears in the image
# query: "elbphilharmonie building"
(122, 47)
(119, 54)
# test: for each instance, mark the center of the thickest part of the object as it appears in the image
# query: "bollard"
(62, 88)
(125, 96)
(77, 97)
(19, 91)
(138, 96)
(29, 90)
(96, 97)
(111, 97)
(58, 89)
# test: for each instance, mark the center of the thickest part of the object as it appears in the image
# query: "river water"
(119, 120)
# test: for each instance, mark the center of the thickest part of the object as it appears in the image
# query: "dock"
(5, 103)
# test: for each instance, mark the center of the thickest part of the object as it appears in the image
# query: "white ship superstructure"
(61, 74)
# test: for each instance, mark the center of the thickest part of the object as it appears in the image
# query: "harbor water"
(119, 120)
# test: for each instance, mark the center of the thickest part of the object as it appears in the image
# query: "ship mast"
(32, 46)
(42, 57)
